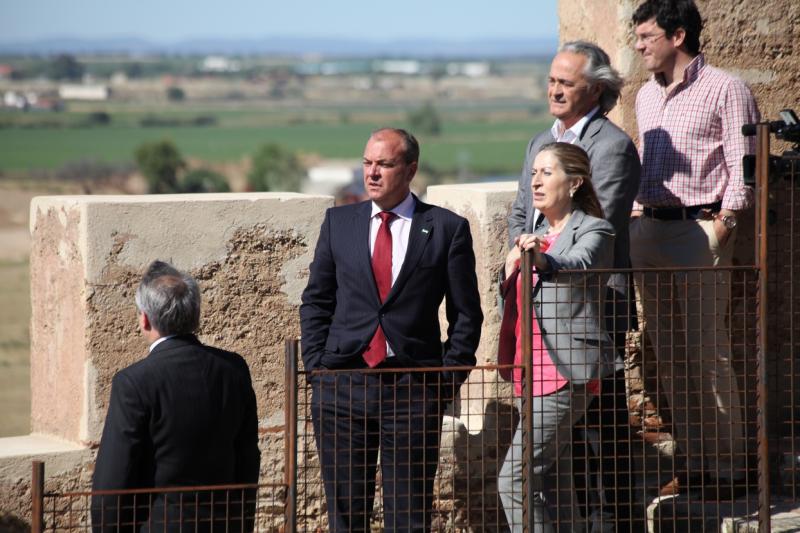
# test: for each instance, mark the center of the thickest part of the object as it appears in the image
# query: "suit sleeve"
(522, 203)
(248, 456)
(615, 176)
(463, 304)
(318, 300)
(120, 461)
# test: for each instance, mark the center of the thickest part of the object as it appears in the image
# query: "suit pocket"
(332, 344)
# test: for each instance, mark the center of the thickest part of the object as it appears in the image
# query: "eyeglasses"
(649, 39)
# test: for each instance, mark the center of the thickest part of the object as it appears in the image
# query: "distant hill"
(290, 46)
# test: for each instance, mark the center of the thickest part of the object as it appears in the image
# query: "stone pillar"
(485, 206)
(249, 253)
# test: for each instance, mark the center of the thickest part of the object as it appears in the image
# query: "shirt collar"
(159, 341)
(404, 209)
(576, 130)
(690, 73)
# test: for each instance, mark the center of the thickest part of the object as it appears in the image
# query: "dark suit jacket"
(185, 415)
(616, 172)
(341, 308)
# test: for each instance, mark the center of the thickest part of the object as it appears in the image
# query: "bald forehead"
(390, 140)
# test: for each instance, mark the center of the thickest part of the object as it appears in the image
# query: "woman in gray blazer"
(571, 349)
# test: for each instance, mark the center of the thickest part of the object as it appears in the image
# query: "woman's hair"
(575, 163)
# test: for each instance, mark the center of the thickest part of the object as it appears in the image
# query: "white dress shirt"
(400, 227)
(159, 341)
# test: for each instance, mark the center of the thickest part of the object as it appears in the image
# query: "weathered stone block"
(249, 252)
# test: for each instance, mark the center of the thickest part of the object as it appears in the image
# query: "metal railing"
(229, 508)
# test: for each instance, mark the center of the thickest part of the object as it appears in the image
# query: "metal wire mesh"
(231, 508)
(615, 452)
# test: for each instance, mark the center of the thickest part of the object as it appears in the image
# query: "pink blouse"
(546, 378)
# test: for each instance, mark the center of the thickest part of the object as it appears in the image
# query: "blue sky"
(372, 20)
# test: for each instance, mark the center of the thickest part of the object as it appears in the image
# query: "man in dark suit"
(582, 88)
(183, 416)
(380, 272)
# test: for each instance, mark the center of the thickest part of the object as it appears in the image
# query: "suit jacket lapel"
(420, 233)
(567, 236)
(592, 128)
(361, 223)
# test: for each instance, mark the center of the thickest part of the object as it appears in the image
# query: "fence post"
(290, 436)
(526, 405)
(37, 497)
(762, 180)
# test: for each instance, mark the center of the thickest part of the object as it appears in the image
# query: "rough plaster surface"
(249, 252)
(68, 467)
(485, 206)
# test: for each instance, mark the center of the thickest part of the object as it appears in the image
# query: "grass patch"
(479, 140)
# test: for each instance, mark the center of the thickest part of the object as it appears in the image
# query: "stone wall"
(250, 254)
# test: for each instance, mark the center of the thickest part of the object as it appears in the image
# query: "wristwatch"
(728, 220)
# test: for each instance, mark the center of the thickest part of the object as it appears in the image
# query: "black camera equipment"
(787, 129)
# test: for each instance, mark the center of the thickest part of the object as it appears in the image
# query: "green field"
(15, 395)
(473, 140)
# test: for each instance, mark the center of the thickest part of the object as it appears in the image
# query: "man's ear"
(144, 322)
(679, 37)
(412, 171)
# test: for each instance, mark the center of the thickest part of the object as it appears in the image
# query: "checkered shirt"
(691, 143)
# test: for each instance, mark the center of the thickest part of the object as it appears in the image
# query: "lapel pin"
(425, 231)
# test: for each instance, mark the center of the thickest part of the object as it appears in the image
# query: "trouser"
(553, 418)
(601, 459)
(358, 417)
(686, 314)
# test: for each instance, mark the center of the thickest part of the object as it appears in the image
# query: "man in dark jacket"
(185, 415)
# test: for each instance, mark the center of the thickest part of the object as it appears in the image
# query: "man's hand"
(722, 232)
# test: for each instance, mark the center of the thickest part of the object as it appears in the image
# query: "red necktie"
(382, 270)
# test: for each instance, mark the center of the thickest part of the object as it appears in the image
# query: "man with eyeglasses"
(690, 116)
(582, 88)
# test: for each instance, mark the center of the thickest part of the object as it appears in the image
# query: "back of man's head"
(170, 299)
(671, 15)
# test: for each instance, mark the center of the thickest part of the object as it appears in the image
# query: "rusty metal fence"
(613, 459)
(229, 508)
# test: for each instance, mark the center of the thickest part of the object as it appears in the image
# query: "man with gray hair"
(582, 88)
(185, 415)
